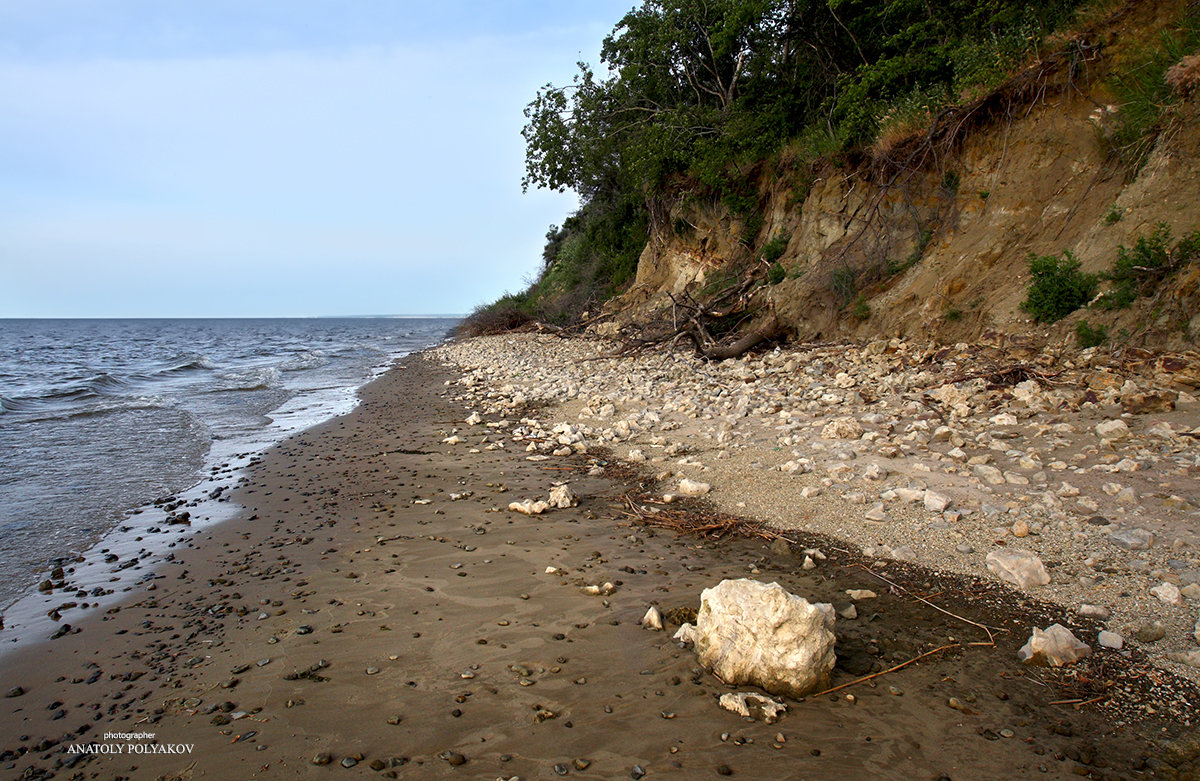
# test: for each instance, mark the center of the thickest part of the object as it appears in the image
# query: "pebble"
(1151, 632)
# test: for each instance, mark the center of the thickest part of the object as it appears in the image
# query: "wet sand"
(357, 616)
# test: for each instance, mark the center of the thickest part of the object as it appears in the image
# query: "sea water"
(100, 418)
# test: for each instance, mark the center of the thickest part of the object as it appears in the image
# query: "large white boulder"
(755, 633)
(1021, 568)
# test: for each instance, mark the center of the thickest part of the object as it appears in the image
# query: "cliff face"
(934, 241)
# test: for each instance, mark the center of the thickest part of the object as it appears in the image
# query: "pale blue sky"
(274, 157)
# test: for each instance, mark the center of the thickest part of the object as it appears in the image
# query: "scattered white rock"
(653, 619)
(842, 428)
(1021, 568)
(1055, 646)
(936, 502)
(755, 633)
(474, 419)
(686, 634)
(1132, 539)
(452, 440)
(529, 507)
(859, 594)
(875, 472)
(562, 497)
(1110, 640)
(753, 705)
(689, 487)
(1168, 593)
(988, 474)
(1094, 611)
(1112, 429)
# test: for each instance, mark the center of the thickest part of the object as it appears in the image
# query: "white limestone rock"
(529, 507)
(842, 428)
(653, 619)
(693, 488)
(1018, 567)
(1132, 539)
(1112, 429)
(686, 634)
(755, 633)
(562, 497)
(936, 502)
(988, 474)
(1168, 593)
(1055, 646)
(753, 705)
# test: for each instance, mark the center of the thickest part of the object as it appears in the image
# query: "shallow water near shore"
(100, 417)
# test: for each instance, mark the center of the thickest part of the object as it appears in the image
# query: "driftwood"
(1001, 377)
(691, 320)
(714, 351)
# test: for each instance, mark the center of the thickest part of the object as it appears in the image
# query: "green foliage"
(1058, 287)
(1140, 270)
(1146, 102)
(776, 273)
(773, 250)
(952, 315)
(924, 236)
(843, 284)
(861, 310)
(1113, 216)
(1087, 336)
(695, 92)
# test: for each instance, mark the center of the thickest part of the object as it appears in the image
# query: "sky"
(226, 158)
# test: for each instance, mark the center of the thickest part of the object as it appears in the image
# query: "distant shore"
(375, 606)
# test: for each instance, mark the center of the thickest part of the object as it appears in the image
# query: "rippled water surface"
(100, 416)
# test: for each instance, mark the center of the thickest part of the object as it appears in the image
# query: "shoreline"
(137, 545)
(377, 607)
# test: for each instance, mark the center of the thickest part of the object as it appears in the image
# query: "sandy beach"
(376, 610)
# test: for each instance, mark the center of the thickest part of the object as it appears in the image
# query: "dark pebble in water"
(377, 765)
(15, 691)
(637, 772)
(349, 762)
(561, 769)
(324, 758)
(724, 770)
(582, 764)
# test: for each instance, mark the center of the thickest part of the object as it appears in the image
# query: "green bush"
(773, 250)
(861, 310)
(1058, 287)
(776, 273)
(1139, 271)
(843, 284)
(1145, 99)
(953, 315)
(1113, 216)
(1090, 337)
